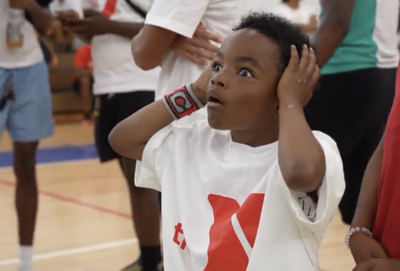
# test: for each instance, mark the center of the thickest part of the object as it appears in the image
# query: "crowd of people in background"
(130, 55)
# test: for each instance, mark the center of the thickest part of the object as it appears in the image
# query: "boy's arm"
(334, 28)
(363, 247)
(301, 158)
(40, 16)
(147, 122)
(166, 20)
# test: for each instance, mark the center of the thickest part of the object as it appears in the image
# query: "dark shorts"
(353, 108)
(112, 109)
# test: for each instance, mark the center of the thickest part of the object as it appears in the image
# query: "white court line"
(79, 250)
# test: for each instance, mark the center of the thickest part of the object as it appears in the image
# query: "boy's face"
(242, 92)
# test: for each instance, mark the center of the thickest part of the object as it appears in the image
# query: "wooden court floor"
(84, 222)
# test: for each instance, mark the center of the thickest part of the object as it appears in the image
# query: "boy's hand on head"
(299, 78)
(200, 86)
(199, 48)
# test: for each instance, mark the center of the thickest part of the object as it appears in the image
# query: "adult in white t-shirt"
(25, 104)
(298, 13)
(167, 21)
(121, 88)
(252, 187)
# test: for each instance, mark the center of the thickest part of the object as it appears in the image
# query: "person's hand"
(299, 78)
(94, 23)
(66, 15)
(200, 86)
(365, 248)
(313, 21)
(379, 265)
(199, 48)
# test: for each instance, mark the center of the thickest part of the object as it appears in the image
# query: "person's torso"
(220, 17)
(114, 69)
(372, 38)
(19, 57)
(214, 194)
(387, 221)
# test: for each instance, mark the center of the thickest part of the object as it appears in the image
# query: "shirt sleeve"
(317, 216)
(148, 171)
(179, 16)
(161, 149)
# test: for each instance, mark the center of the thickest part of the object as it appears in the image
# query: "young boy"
(252, 187)
(378, 204)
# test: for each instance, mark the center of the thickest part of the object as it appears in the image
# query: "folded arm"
(150, 46)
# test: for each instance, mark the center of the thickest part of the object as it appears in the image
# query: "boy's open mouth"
(212, 99)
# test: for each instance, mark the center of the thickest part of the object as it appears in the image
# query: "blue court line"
(55, 154)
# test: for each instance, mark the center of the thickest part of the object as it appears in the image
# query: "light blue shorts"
(27, 115)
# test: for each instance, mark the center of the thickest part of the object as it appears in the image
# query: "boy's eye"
(216, 67)
(245, 72)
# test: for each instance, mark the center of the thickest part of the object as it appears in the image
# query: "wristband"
(353, 231)
(182, 102)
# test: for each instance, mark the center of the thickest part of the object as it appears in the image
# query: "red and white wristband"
(182, 102)
(353, 231)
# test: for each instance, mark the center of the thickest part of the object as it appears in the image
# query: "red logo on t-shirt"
(226, 251)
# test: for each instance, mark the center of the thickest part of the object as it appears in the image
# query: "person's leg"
(357, 160)
(344, 108)
(30, 121)
(144, 202)
(86, 96)
(26, 199)
(145, 217)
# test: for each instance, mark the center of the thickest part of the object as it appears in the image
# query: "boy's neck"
(256, 138)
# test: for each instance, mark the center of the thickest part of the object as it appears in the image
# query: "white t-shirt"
(226, 206)
(114, 69)
(300, 16)
(183, 17)
(27, 55)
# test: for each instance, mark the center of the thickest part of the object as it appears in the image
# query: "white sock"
(25, 258)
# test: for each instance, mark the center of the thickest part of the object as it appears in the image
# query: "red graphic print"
(225, 251)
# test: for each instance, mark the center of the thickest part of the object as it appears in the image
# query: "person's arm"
(41, 18)
(95, 23)
(150, 46)
(166, 20)
(301, 158)
(123, 29)
(363, 247)
(147, 122)
(333, 29)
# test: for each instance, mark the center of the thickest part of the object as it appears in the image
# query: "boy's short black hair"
(277, 29)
